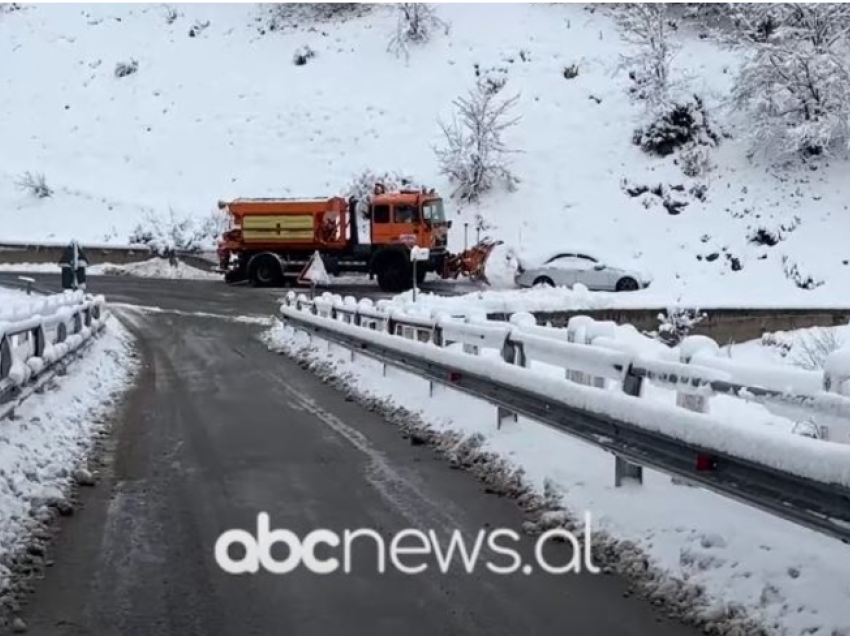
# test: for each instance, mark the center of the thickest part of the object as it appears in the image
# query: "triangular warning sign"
(314, 272)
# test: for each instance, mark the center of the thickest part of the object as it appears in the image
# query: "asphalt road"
(217, 430)
(207, 296)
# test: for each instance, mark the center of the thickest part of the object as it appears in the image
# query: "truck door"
(394, 224)
(381, 226)
(406, 223)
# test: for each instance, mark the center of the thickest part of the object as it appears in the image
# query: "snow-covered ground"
(51, 436)
(153, 268)
(792, 581)
(226, 113)
(11, 297)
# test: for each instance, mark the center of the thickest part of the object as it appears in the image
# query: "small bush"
(198, 28)
(695, 161)
(676, 324)
(417, 22)
(678, 126)
(780, 341)
(35, 184)
(166, 234)
(123, 69)
(811, 349)
(770, 237)
(794, 273)
(293, 15)
(491, 80)
(571, 71)
(302, 55)
(171, 14)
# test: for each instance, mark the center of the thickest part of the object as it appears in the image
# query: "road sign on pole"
(314, 272)
(418, 254)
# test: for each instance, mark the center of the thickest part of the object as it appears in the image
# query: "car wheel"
(544, 280)
(627, 284)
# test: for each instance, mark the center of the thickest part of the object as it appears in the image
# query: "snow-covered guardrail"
(36, 336)
(796, 477)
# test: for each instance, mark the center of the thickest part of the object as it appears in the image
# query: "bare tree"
(812, 348)
(475, 156)
(796, 80)
(35, 184)
(647, 28)
(417, 22)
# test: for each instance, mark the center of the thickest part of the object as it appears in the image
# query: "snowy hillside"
(225, 112)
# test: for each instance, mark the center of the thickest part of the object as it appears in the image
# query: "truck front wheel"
(265, 270)
(394, 273)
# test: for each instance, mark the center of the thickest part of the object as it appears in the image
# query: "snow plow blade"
(471, 263)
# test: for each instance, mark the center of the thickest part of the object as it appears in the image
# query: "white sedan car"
(570, 268)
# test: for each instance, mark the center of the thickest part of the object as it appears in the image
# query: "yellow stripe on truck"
(295, 228)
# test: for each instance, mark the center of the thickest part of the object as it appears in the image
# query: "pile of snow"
(579, 298)
(153, 268)
(49, 439)
(790, 580)
(116, 149)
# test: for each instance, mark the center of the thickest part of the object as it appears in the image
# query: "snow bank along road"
(219, 429)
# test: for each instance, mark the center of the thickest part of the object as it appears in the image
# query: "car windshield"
(433, 211)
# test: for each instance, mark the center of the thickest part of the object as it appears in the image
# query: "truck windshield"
(433, 211)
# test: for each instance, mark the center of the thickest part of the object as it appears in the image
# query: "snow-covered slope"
(226, 113)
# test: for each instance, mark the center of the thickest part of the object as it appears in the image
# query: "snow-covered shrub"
(34, 184)
(770, 236)
(166, 234)
(795, 274)
(123, 69)
(302, 55)
(811, 348)
(695, 161)
(171, 14)
(779, 340)
(475, 157)
(417, 22)
(680, 125)
(571, 71)
(364, 185)
(491, 80)
(676, 324)
(281, 16)
(795, 82)
(647, 28)
(198, 28)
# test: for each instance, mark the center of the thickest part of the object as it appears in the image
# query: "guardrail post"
(5, 357)
(512, 353)
(504, 415)
(39, 341)
(576, 329)
(625, 470)
(594, 330)
(688, 348)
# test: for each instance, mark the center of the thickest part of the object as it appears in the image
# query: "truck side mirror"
(449, 224)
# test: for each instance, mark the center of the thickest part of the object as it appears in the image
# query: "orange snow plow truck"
(270, 241)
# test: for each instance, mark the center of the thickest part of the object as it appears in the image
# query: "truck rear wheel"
(265, 270)
(394, 273)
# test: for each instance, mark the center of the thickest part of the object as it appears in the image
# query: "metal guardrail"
(420, 349)
(37, 336)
